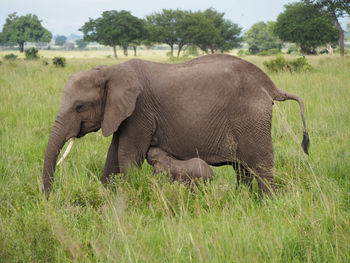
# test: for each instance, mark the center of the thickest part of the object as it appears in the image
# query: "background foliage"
(21, 29)
(260, 38)
(113, 29)
(308, 26)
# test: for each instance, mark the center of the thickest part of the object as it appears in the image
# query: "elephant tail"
(282, 96)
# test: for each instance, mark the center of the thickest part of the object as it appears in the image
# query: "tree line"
(208, 30)
(308, 24)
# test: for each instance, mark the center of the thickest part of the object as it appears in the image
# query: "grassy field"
(146, 218)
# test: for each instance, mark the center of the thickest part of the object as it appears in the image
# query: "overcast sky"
(64, 17)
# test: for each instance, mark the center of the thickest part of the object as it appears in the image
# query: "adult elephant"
(216, 107)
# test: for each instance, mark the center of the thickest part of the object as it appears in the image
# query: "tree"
(81, 43)
(306, 26)
(182, 33)
(228, 36)
(260, 38)
(200, 30)
(207, 30)
(139, 35)
(113, 29)
(21, 29)
(336, 9)
(210, 31)
(164, 27)
(227, 33)
(60, 40)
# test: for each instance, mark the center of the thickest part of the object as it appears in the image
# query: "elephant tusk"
(70, 145)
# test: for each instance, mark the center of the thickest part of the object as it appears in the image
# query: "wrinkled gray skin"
(187, 171)
(216, 107)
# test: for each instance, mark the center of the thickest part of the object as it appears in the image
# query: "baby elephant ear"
(122, 90)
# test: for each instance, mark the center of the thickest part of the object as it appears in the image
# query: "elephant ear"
(122, 89)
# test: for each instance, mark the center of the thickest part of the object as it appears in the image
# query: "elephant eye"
(80, 108)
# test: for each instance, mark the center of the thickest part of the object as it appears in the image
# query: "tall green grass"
(147, 218)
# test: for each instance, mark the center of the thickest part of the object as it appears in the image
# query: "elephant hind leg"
(262, 171)
(266, 184)
(243, 175)
(257, 159)
(263, 176)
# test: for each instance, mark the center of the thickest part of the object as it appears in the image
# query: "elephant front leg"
(134, 142)
(111, 165)
(131, 155)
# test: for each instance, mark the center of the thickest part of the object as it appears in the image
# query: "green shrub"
(10, 56)
(264, 53)
(31, 53)
(293, 49)
(281, 64)
(274, 51)
(270, 52)
(299, 64)
(243, 52)
(59, 61)
(276, 65)
(192, 51)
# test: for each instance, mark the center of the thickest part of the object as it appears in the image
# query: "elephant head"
(99, 98)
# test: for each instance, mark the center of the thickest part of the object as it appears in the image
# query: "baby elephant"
(187, 171)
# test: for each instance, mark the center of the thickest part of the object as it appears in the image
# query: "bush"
(293, 49)
(10, 56)
(59, 61)
(264, 53)
(192, 51)
(270, 52)
(243, 52)
(281, 64)
(274, 51)
(277, 64)
(299, 64)
(31, 53)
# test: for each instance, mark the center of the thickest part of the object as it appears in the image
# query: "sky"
(64, 17)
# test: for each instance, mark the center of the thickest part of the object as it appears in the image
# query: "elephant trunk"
(54, 146)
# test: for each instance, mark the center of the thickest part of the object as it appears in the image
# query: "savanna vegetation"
(309, 24)
(147, 218)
